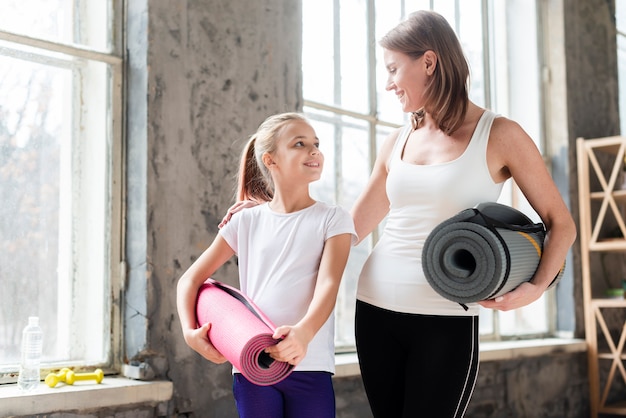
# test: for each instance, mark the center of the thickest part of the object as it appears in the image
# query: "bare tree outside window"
(29, 186)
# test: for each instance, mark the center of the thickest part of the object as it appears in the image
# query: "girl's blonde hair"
(254, 181)
(447, 93)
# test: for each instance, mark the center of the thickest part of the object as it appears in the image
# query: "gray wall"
(202, 75)
(209, 72)
(591, 93)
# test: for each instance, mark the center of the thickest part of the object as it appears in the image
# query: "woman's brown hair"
(447, 93)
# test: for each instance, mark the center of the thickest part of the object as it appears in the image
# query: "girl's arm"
(521, 160)
(372, 205)
(187, 291)
(296, 338)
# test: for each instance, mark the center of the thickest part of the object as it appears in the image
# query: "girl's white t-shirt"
(279, 256)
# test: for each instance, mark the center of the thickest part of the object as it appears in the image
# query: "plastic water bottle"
(32, 346)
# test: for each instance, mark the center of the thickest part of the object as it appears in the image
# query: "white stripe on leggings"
(467, 386)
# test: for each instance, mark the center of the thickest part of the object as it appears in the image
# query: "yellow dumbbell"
(53, 378)
(72, 377)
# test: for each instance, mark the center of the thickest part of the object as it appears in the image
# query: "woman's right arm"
(237, 207)
(373, 205)
(187, 291)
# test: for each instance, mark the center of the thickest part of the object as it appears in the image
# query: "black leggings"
(416, 365)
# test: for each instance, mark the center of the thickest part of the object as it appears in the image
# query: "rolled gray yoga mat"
(482, 253)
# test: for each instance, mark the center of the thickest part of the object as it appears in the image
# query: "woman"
(418, 352)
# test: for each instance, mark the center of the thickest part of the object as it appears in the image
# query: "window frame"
(115, 276)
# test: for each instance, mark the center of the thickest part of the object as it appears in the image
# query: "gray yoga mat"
(482, 253)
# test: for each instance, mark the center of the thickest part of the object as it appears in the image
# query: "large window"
(344, 92)
(60, 179)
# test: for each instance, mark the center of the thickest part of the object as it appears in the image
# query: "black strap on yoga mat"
(241, 299)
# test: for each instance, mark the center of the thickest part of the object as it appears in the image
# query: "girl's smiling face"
(297, 156)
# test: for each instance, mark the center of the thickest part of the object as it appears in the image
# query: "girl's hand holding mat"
(198, 340)
(293, 346)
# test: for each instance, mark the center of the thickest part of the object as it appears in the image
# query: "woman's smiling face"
(407, 77)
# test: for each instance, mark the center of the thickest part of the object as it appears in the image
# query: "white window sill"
(347, 364)
(119, 391)
(111, 392)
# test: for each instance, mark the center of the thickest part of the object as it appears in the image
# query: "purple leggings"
(300, 395)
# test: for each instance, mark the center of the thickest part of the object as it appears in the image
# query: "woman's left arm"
(296, 338)
(514, 154)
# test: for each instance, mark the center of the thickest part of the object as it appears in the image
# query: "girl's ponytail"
(252, 183)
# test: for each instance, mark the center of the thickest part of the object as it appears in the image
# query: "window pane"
(470, 34)
(412, 5)
(345, 144)
(620, 17)
(530, 319)
(353, 58)
(80, 22)
(388, 14)
(55, 170)
(485, 321)
(318, 59)
(335, 63)
(31, 149)
(447, 8)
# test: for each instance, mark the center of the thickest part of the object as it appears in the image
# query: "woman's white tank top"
(421, 197)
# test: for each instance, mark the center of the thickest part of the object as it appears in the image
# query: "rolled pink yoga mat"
(240, 331)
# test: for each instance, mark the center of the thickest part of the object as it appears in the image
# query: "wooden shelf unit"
(592, 220)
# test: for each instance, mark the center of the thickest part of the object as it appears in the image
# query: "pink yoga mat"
(240, 331)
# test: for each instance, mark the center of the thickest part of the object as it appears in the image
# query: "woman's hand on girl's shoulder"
(237, 207)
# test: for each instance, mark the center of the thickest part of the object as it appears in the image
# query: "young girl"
(292, 253)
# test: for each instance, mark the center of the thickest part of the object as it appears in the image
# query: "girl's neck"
(290, 202)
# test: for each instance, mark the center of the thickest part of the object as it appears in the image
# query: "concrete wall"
(582, 95)
(202, 75)
(552, 386)
(209, 72)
